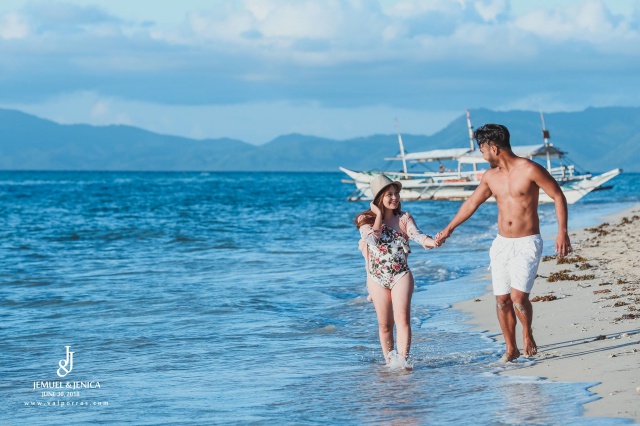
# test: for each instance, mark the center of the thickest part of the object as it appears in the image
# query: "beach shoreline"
(586, 316)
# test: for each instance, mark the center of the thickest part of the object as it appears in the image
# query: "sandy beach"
(586, 316)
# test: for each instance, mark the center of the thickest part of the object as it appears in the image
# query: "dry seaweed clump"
(574, 259)
(625, 220)
(547, 298)
(600, 230)
(626, 317)
(564, 260)
(564, 276)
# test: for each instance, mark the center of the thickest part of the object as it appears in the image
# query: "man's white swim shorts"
(514, 263)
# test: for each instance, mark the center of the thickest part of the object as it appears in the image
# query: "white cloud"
(589, 21)
(330, 33)
(490, 9)
(299, 20)
(13, 26)
(100, 109)
(229, 28)
(406, 54)
(407, 9)
(309, 31)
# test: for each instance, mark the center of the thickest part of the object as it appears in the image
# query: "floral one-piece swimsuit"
(386, 254)
(388, 259)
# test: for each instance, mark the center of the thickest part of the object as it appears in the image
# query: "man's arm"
(468, 208)
(550, 186)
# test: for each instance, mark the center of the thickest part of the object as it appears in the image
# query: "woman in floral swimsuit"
(385, 233)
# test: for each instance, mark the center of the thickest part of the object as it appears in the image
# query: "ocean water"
(239, 298)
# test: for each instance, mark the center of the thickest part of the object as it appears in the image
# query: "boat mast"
(546, 136)
(473, 146)
(404, 161)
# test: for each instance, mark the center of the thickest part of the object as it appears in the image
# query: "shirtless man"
(515, 253)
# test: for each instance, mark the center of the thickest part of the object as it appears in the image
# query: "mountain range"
(597, 139)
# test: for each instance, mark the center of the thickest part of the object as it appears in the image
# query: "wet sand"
(586, 316)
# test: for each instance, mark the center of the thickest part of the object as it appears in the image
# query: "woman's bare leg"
(401, 300)
(384, 311)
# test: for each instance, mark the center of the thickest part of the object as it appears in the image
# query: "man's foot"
(529, 347)
(509, 356)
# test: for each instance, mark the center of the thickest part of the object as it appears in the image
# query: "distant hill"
(31, 143)
(598, 139)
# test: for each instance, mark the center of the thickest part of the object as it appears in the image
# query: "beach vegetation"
(547, 298)
(567, 260)
(626, 317)
(600, 230)
(625, 220)
(565, 276)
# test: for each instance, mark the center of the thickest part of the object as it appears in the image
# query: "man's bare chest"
(512, 187)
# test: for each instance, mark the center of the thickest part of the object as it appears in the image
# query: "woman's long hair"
(368, 217)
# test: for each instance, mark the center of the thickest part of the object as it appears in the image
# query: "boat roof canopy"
(529, 151)
(433, 155)
(465, 155)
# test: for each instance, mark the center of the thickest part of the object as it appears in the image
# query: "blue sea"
(239, 298)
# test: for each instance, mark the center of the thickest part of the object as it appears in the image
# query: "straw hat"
(380, 183)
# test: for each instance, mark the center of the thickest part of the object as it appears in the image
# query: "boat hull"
(455, 186)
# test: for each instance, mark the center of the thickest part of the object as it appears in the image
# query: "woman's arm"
(418, 236)
(369, 235)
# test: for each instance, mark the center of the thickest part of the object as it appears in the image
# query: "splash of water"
(398, 362)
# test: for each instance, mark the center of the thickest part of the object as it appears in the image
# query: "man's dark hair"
(495, 134)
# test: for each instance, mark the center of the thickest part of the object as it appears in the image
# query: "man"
(515, 183)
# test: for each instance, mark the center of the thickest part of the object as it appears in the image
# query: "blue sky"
(256, 69)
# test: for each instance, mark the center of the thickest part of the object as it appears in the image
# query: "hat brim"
(384, 188)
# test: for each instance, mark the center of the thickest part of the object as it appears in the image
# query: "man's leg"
(523, 275)
(507, 319)
(524, 311)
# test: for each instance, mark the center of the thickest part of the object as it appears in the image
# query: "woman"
(385, 231)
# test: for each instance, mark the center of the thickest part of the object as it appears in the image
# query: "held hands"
(428, 243)
(442, 236)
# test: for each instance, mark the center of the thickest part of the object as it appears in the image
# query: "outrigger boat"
(459, 184)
